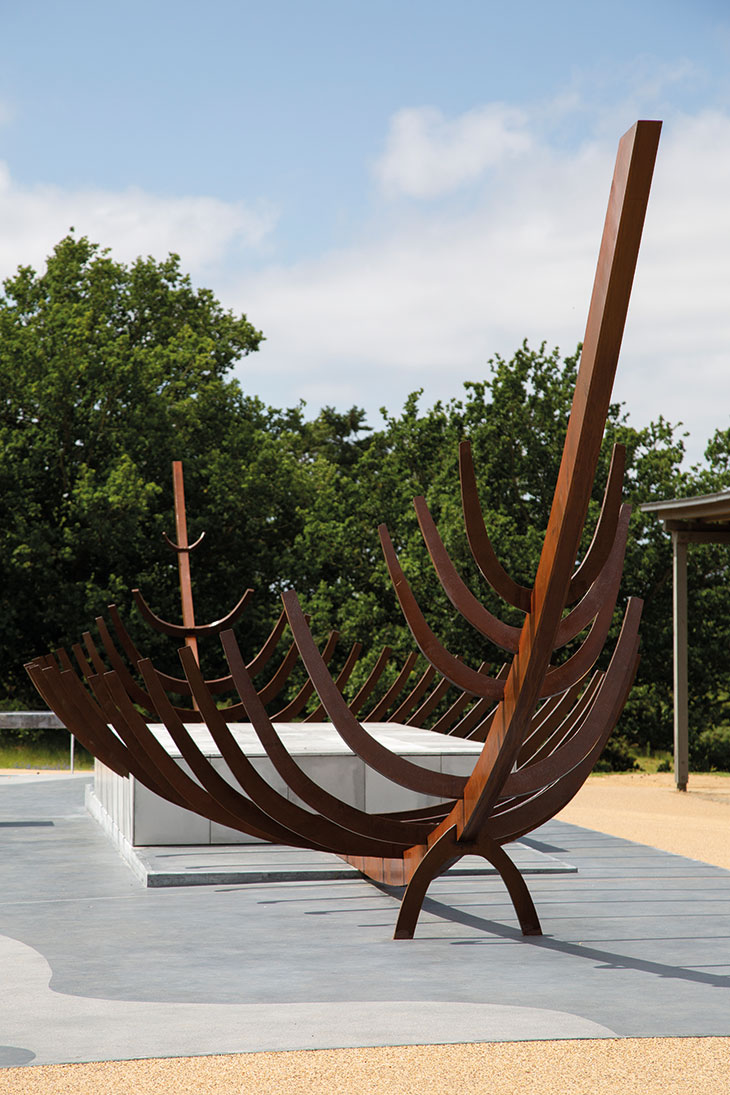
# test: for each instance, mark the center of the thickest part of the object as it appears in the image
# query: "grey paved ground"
(95, 966)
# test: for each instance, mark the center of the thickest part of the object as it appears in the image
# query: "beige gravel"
(648, 809)
(626, 1066)
(636, 807)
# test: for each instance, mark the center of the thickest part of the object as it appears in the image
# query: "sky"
(393, 192)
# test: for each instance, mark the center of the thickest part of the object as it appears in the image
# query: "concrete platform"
(94, 966)
(133, 815)
(234, 865)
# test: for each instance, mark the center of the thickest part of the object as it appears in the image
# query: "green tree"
(108, 373)
(515, 419)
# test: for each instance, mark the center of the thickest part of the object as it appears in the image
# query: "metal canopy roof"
(702, 508)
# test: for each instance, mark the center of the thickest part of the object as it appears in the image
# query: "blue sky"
(392, 191)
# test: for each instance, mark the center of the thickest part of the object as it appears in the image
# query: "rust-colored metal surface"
(189, 631)
(121, 655)
(115, 650)
(543, 721)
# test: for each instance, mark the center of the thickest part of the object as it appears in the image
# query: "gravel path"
(626, 1066)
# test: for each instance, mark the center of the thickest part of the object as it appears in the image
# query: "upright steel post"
(681, 736)
(183, 556)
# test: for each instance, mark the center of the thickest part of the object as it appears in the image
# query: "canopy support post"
(681, 735)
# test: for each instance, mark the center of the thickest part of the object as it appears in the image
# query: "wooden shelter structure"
(703, 519)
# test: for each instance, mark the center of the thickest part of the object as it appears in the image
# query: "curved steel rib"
(376, 828)
(299, 702)
(447, 664)
(461, 597)
(320, 829)
(266, 652)
(563, 676)
(342, 678)
(179, 631)
(484, 555)
(451, 714)
(125, 639)
(137, 693)
(178, 684)
(78, 714)
(372, 679)
(551, 718)
(605, 532)
(404, 709)
(394, 767)
(235, 814)
(273, 687)
(475, 724)
(183, 547)
(377, 713)
(586, 609)
(431, 702)
(81, 660)
(559, 776)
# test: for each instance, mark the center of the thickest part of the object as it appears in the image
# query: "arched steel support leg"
(447, 850)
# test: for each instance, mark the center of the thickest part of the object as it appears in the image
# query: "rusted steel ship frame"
(120, 653)
(398, 703)
(391, 706)
(535, 755)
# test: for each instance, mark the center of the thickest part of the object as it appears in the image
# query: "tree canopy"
(110, 372)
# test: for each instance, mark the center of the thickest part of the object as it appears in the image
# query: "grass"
(56, 758)
(39, 756)
(652, 764)
(658, 762)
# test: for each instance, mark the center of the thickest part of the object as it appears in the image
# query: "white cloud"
(427, 295)
(426, 302)
(680, 313)
(427, 154)
(203, 230)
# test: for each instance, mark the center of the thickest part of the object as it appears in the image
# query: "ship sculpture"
(543, 723)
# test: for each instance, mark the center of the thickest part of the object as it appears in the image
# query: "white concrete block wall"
(145, 819)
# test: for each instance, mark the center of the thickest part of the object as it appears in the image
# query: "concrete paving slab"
(94, 965)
